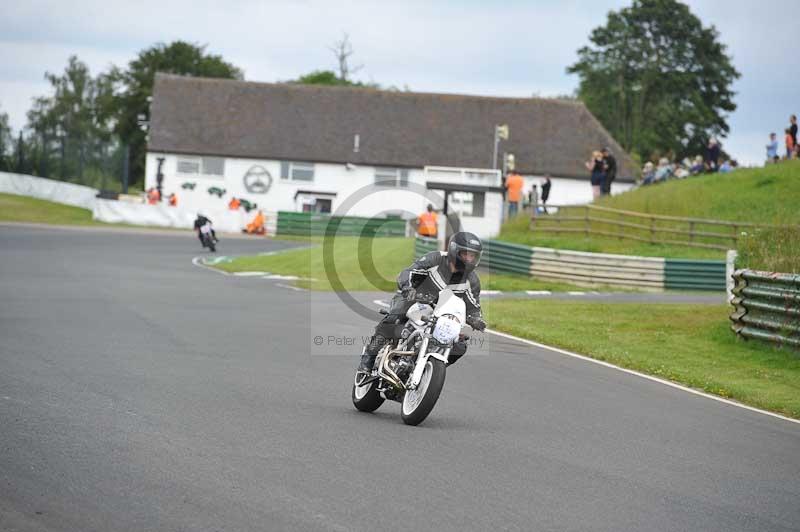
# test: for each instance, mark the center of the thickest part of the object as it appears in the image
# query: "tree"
(6, 143)
(324, 77)
(133, 87)
(657, 79)
(68, 122)
(343, 50)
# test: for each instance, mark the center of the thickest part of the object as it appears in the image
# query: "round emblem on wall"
(257, 180)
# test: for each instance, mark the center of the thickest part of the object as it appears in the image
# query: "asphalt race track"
(140, 392)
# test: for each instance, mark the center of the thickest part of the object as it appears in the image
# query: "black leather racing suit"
(428, 275)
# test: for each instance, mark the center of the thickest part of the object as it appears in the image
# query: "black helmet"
(463, 241)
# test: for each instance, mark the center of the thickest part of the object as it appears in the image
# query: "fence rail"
(766, 306)
(312, 224)
(593, 269)
(642, 227)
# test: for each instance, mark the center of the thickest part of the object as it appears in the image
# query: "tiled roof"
(406, 129)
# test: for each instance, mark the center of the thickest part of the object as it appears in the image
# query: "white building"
(360, 151)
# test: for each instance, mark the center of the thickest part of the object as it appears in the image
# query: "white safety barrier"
(48, 189)
(162, 215)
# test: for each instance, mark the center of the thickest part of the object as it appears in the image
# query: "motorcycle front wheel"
(418, 403)
(366, 398)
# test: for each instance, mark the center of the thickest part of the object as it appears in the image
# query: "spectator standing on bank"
(611, 170)
(514, 184)
(546, 192)
(533, 200)
(789, 144)
(712, 155)
(793, 129)
(772, 149)
(598, 169)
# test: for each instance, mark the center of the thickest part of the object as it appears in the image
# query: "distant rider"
(199, 223)
(453, 269)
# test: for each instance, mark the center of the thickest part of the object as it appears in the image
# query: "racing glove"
(476, 322)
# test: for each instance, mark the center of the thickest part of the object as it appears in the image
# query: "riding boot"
(370, 353)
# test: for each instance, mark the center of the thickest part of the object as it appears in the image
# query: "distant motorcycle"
(411, 370)
(207, 238)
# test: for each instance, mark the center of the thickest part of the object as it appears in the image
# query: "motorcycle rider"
(453, 269)
(199, 222)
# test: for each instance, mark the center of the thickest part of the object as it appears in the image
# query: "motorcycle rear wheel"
(366, 398)
(417, 404)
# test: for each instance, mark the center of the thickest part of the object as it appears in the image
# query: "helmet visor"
(469, 256)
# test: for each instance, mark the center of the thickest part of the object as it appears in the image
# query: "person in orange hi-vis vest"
(256, 227)
(153, 197)
(234, 204)
(427, 223)
(514, 184)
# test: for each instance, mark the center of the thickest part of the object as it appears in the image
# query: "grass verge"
(364, 265)
(15, 208)
(689, 344)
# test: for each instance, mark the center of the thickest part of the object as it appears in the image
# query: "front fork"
(422, 361)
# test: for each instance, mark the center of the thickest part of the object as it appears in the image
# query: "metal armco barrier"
(694, 274)
(767, 306)
(506, 257)
(592, 269)
(424, 245)
(312, 224)
(598, 268)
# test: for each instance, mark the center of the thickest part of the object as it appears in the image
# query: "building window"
(294, 171)
(214, 166)
(391, 177)
(467, 203)
(202, 166)
(317, 205)
(188, 166)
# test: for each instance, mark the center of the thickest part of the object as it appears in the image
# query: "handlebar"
(425, 298)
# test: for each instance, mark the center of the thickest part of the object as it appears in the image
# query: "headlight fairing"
(447, 329)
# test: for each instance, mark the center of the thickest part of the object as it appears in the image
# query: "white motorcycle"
(411, 369)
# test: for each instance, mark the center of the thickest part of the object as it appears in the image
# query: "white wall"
(281, 195)
(345, 183)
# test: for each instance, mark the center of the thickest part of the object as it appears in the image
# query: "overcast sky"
(508, 48)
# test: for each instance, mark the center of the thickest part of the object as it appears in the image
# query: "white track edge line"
(633, 372)
(197, 261)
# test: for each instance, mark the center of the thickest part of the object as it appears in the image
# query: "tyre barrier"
(766, 306)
